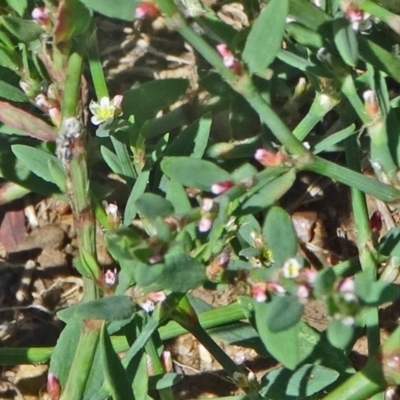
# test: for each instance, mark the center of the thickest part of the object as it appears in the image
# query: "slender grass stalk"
(208, 319)
(368, 257)
(83, 360)
(322, 104)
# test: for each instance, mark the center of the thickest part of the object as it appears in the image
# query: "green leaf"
(284, 312)
(345, 40)
(193, 140)
(389, 245)
(26, 122)
(20, 6)
(193, 172)
(9, 58)
(121, 242)
(375, 293)
(266, 192)
(120, 9)
(57, 173)
(164, 381)
(64, 352)
(115, 379)
(152, 206)
(72, 19)
(289, 353)
(89, 265)
(176, 194)
(107, 308)
(283, 384)
(265, 38)
(112, 160)
(10, 92)
(339, 334)
(280, 235)
(36, 160)
(145, 101)
(326, 144)
(24, 30)
(138, 189)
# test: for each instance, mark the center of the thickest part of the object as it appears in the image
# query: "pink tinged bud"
(268, 158)
(205, 224)
(370, 103)
(353, 13)
(275, 287)
(166, 360)
(375, 222)
(259, 291)
(42, 102)
(154, 259)
(147, 306)
(55, 116)
(303, 293)
(257, 240)
(117, 100)
(207, 205)
(157, 297)
(53, 387)
(110, 277)
(229, 60)
(223, 259)
(41, 15)
(221, 187)
(310, 275)
(346, 285)
(25, 87)
(147, 11)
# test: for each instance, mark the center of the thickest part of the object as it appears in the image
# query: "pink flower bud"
(157, 297)
(375, 222)
(207, 205)
(166, 360)
(221, 187)
(303, 293)
(370, 103)
(55, 115)
(205, 224)
(41, 15)
(147, 10)
(117, 100)
(43, 102)
(275, 287)
(268, 158)
(110, 277)
(346, 285)
(259, 291)
(53, 386)
(229, 60)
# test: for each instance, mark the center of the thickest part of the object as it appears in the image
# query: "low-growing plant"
(201, 211)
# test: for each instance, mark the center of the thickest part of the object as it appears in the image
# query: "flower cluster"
(360, 21)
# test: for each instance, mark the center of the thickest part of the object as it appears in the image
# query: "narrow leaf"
(138, 189)
(265, 38)
(26, 122)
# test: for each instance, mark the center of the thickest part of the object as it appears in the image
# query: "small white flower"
(291, 268)
(105, 110)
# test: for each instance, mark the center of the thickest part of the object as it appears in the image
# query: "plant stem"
(83, 360)
(368, 257)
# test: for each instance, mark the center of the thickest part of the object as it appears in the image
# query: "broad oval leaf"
(289, 353)
(282, 384)
(10, 92)
(339, 334)
(152, 206)
(121, 9)
(107, 308)
(193, 172)
(24, 30)
(280, 235)
(265, 38)
(284, 312)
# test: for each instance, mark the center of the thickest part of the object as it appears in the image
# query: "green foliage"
(205, 203)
